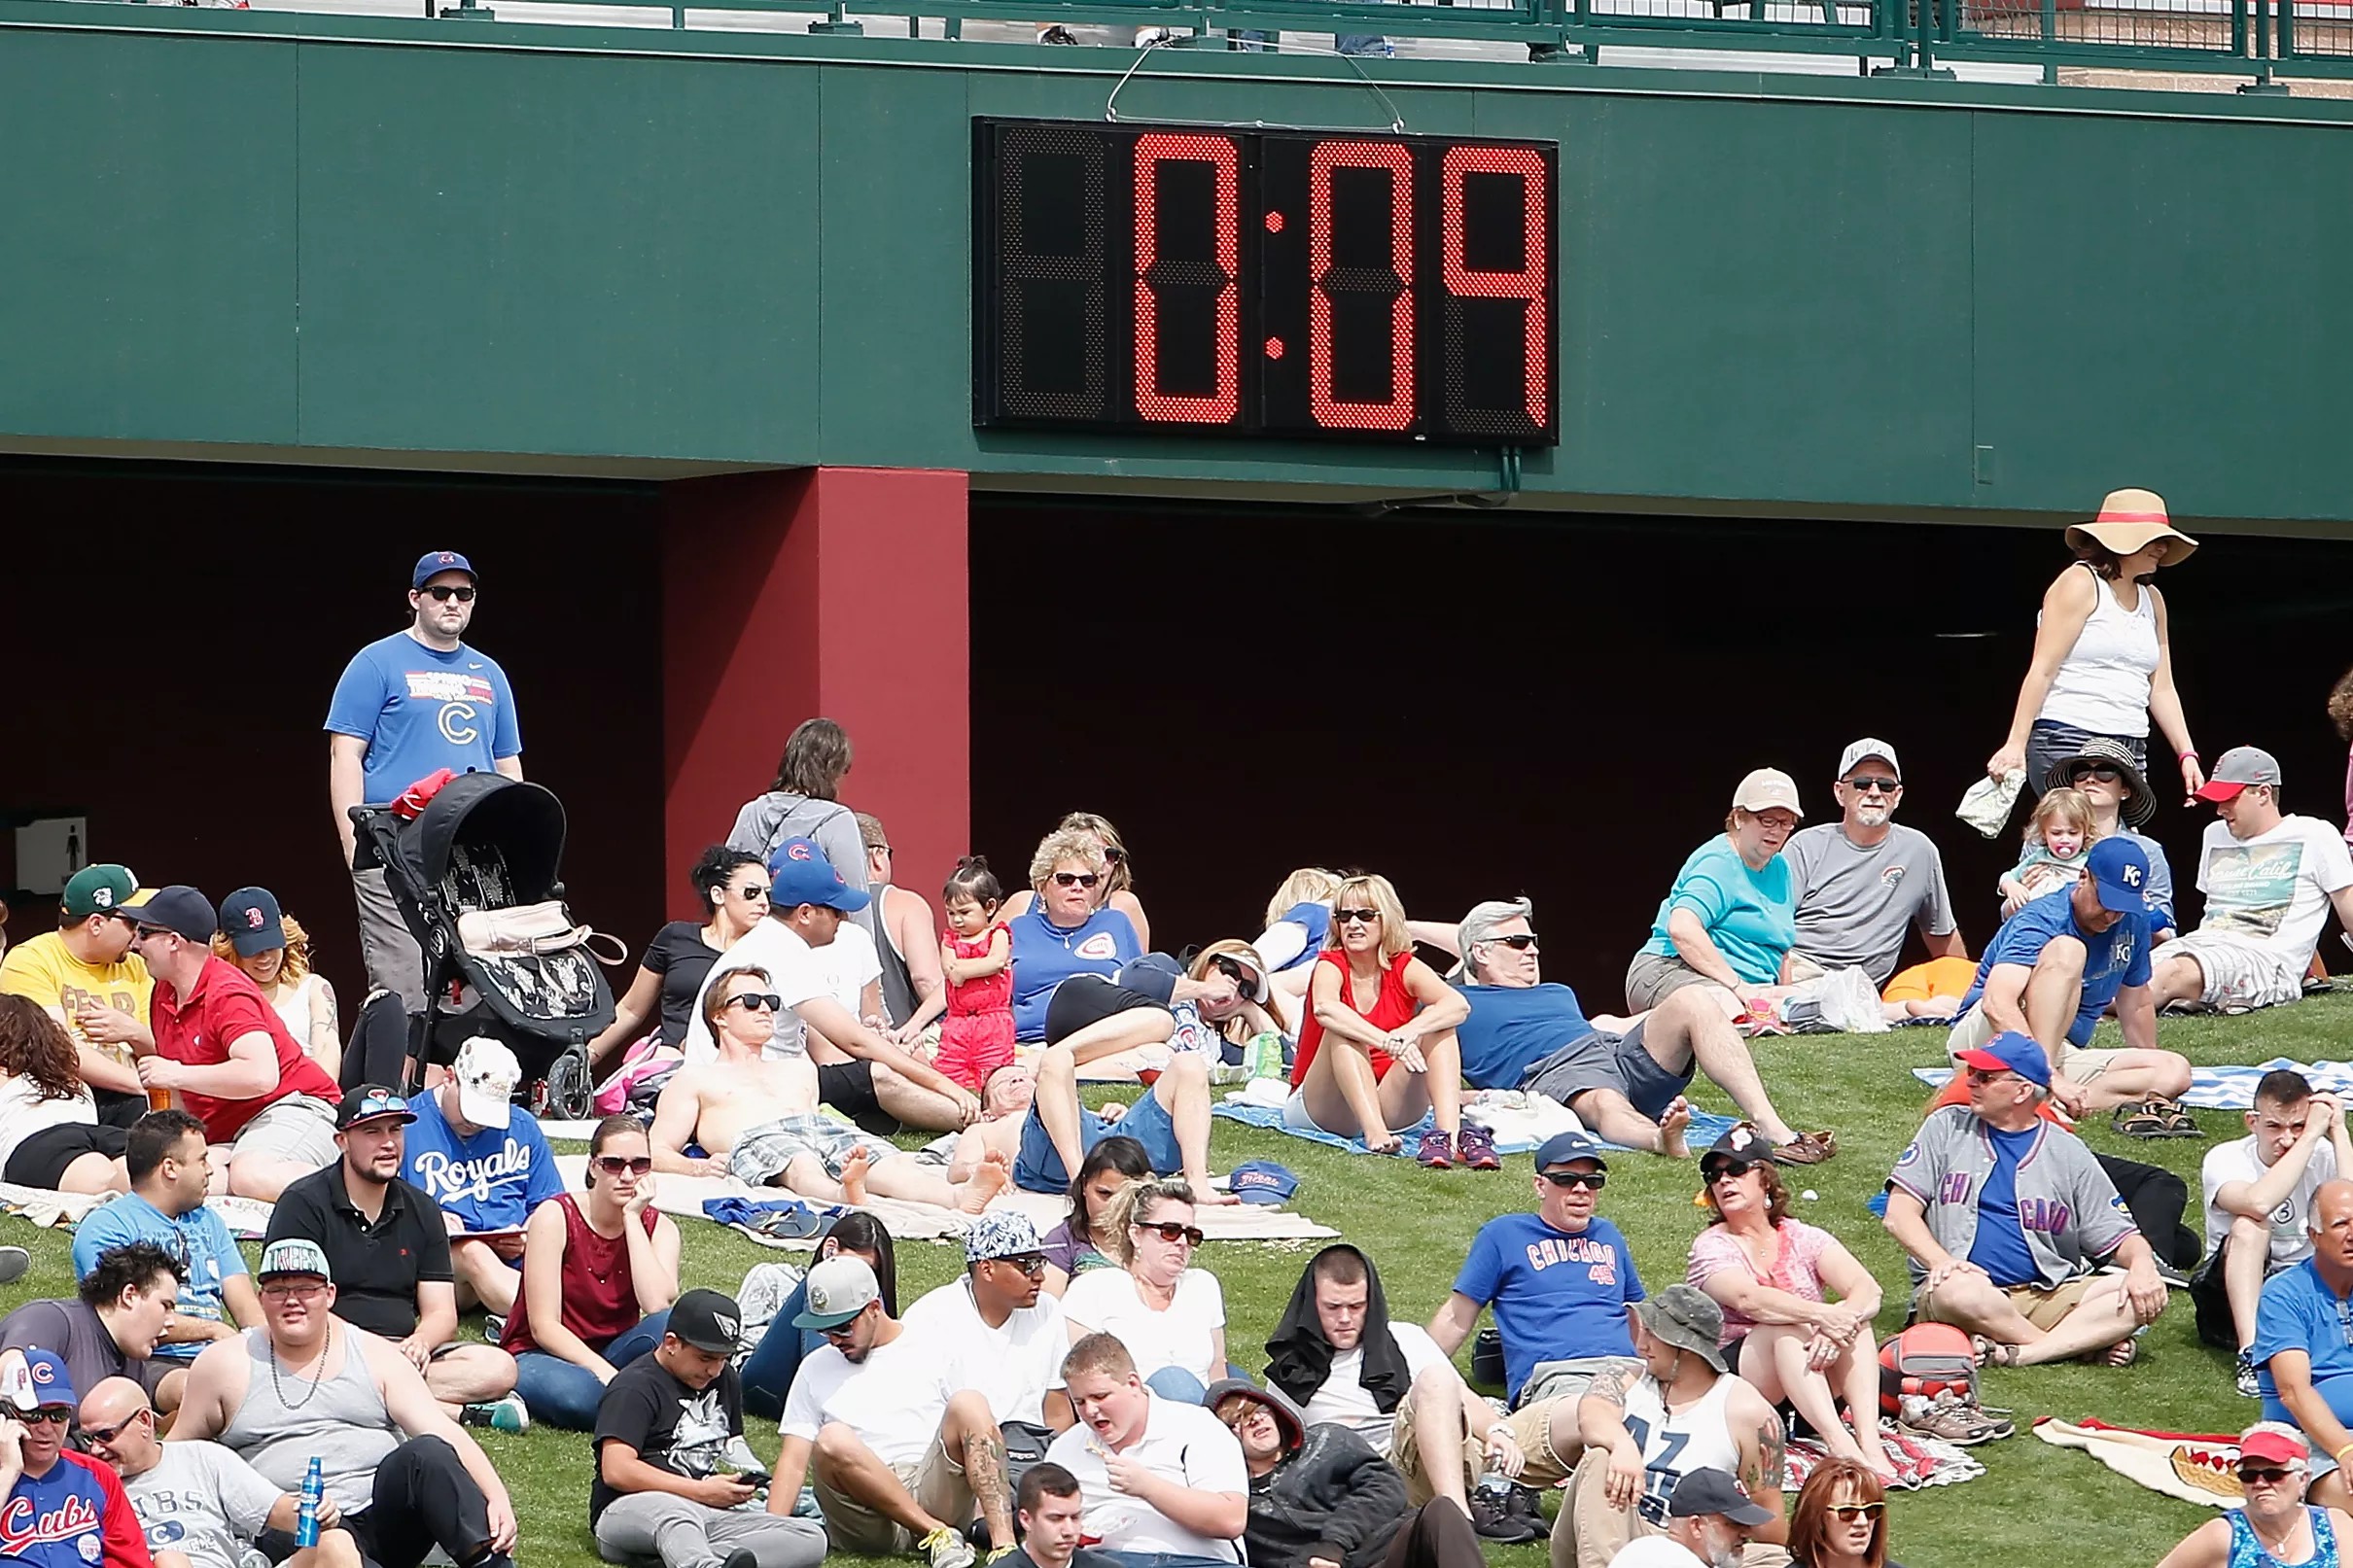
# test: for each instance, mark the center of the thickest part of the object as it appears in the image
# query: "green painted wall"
(1785, 293)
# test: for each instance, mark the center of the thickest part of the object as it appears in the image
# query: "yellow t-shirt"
(42, 970)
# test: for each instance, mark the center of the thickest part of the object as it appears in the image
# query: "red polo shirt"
(225, 1005)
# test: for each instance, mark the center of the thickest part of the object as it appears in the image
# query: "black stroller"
(475, 879)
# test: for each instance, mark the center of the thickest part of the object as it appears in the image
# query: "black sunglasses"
(1077, 879)
(108, 1433)
(757, 1001)
(1114, 853)
(1233, 970)
(1365, 916)
(1980, 1075)
(752, 892)
(1883, 787)
(1518, 941)
(1172, 1232)
(2269, 1476)
(45, 1416)
(1591, 1180)
(462, 592)
(1032, 1264)
(2103, 775)
(613, 1165)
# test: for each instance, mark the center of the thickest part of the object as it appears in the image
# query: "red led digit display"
(1388, 287)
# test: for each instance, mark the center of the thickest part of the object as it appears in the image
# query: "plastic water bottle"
(306, 1515)
(1264, 1056)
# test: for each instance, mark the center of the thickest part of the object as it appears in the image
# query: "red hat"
(2277, 1447)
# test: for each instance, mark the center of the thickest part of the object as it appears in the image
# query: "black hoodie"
(1299, 1358)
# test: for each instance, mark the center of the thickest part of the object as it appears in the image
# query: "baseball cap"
(2268, 1443)
(1768, 787)
(486, 1073)
(100, 890)
(708, 1320)
(1688, 1318)
(2120, 871)
(294, 1255)
(2010, 1052)
(1262, 1182)
(2238, 768)
(1739, 1148)
(1001, 1233)
(371, 1102)
(1562, 1147)
(1710, 1491)
(36, 1379)
(839, 1289)
(178, 907)
(1870, 746)
(798, 873)
(252, 919)
(432, 563)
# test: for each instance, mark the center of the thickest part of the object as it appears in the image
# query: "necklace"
(2276, 1551)
(318, 1372)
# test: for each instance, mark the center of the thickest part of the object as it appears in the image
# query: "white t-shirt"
(1344, 1399)
(203, 1500)
(24, 1112)
(1013, 1367)
(850, 965)
(1105, 1301)
(2291, 1241)
(1182, 1443)
(894, 1400)
(796, 972)
(1655, 1552)
(2272, 891)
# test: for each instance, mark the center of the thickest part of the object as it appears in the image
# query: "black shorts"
(849, 1088)
(41, 1159)
(2212, 1300)
(1084, 999)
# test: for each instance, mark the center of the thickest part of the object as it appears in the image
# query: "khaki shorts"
(298, 1128)
(1531, 1427)
(2045, 1309)
(935, 1482)
(1973, 1031)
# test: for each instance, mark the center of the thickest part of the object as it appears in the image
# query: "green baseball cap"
(101, 890)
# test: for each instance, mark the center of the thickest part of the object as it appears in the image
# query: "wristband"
(1505, 1427)
(2340, 1455)
(2184, 756)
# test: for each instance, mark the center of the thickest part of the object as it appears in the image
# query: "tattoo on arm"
(1772, 1456)
(1611, 1384)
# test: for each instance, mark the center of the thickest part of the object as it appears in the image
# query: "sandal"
(2123, 1353)
(2179, 1123)
(1993, 1353)
(1807, 1149)
(2142, 1121)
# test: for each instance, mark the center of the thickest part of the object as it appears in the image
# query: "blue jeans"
(1161, 1560)
(1177, 1384)
(563, 1393)
(767, 1373)
(2050, 741)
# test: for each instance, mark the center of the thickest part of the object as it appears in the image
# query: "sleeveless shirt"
(897, 984)
(286, 1418)
(600, 1289)
(2102, 685)
(2246, 1551)
(1674, 1444)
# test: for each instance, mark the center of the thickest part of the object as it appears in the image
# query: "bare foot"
(988, 1179)
(1672, 1142)
(854, 1178)
(1204, 1195)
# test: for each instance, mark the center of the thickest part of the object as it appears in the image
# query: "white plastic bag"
(1987, 803)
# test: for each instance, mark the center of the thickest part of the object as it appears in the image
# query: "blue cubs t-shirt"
(201, 1241)
(1557, 1294)
(491, 1181)
(2000, 1244)
(2113, 958)
(2298, 1311)
(1044, 956)
(420, 708)
(1512, 1028)
(1750, 915)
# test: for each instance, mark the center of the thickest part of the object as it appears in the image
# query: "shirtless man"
(1032, 1121)
(759, 1122)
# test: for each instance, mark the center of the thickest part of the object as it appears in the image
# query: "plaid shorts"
(761, 1154)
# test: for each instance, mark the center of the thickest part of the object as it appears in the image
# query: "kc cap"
(179, 909)
(294, 1255)
(371, 1102)
(2010, 1052)
(101, 890)
(1864, 750)
(432, 563)
(250, 920)
(1766, 788)
(839, 1289)
(708, 1320)
(2238, 768)
(1710, 1491)
(2122, 873)
(1562, 1147)
(486, 1073)
(798, 873)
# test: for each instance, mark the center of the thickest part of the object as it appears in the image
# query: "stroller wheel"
(571, 1095)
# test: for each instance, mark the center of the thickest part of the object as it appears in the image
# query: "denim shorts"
(1038, 1169)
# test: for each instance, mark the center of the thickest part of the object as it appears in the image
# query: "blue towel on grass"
(1705, 1128)
(2221, 1089)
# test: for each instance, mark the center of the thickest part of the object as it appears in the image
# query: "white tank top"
(2102, 685)
(1673, 1445)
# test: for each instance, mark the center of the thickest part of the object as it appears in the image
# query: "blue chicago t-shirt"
(2113, 958)
(2000, 1244)
(1513, 1027)
(1557, 1294)
(420, 708)
(1044, 956)
(491, 1181)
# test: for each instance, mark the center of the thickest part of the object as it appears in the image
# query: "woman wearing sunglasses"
(1063, 928)
(599, 1275)
(1170, 1315)
(1377, 1051)
(2122, 803)
(1839, 1519)
(2275, 1527)
(731, 889)
(1117, 889)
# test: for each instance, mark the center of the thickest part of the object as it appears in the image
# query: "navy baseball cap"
(1262, 1182)
(1710, 1491)
(2010, 1052)
(178, 907)
(250, 920)
(432, 563)
(2120, 871)
(1562, 1147)
(798, 873)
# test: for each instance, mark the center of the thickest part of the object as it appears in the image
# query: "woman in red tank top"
(599, 1274)
(1378, 1049)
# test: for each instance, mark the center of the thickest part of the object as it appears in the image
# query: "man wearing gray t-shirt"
(1862, 880)
(198, 1502)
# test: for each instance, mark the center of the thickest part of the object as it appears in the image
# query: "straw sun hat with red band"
(2128, 523)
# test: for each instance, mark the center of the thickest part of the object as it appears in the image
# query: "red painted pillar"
(832, 591)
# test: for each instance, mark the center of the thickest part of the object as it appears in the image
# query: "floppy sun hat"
(2129, 521)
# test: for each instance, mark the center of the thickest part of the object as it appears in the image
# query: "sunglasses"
(1031, 1264)
(1982, 1076)
(1233, 970)
(1856, 1512)
(1878, 786)
(1171, 1232)
(1362, 917)
(1114, 853)
(462, 592)
(2268, 1475)
(613, 1165)
(1077, 879)
(1518, 942)
(757, 1001)
(108, 1433)
(754, 892)
(1589, 1180)
(45, 1416)
(1727, 1167)
(2103, 775)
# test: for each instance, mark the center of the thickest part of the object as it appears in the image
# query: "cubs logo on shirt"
(1101, 945)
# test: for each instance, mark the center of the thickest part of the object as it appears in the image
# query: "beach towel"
(247, 1218)
(2222, 1089)
(1521, 1123)
(2197, 1468)
(1919, 1461)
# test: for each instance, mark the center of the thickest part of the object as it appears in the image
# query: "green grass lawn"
(1417, 1224)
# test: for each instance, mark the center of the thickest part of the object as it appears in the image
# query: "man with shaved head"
(198, 1502)
(2305, 1365)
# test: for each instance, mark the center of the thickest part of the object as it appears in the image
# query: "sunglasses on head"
(1856, 1512)
(757, 1001)
(1171, 1232)
(613, 1165)
(1362, 917)
(462, 592)
(1077, 879)
(1518, 942)
(1882, 786)
(108, 1433)
(2269, 1474)
(2104, 775)
(1114, 853)
(1589, 1180)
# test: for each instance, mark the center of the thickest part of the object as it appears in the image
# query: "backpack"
(1927, 1358)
